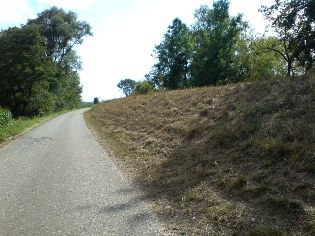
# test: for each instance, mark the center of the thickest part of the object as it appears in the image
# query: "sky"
(125, 33)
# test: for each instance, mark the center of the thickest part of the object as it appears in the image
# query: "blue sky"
(125, 33)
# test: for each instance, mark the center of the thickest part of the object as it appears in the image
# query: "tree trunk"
(289, 67)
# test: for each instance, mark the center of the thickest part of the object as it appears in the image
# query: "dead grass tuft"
(231, 160)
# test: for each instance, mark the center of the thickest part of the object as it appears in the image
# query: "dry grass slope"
(232, 160)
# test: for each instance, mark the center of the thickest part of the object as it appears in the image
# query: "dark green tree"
(25, 71)
(96, 100)
(62, 31)
(173, 56)
(38, 65)
(127, 86)
(215, 36)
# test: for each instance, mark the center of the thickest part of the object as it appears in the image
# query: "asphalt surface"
(57, 180)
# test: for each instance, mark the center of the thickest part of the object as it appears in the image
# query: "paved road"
(56, 180)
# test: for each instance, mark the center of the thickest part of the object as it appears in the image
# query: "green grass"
(18, 126)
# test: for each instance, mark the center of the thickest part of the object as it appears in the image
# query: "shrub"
(5, 117)
(143, 87)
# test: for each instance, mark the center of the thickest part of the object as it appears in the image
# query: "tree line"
(219, 49)
(39, 65)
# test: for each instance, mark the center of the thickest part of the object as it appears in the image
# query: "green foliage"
(173, 55)
(62, 31)
(127, 86)
(23, 67)
(253, 62)
(215, 36)
(5, 117)
(96, 100)
(17, 126)
(143, 87)
(38, 65)
(42, 101)
(217, 50)
(293, 22)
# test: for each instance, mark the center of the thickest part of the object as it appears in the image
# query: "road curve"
(57, 180)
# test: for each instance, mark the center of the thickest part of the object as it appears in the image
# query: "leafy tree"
(68, 90)
(293, 22)
(38, 66)
(23, 69)
(143, 87)
(215, 36)
(253, 62)
(127, 86)
(173, 55)
(96, 100)
(62, 31)
(155, 76)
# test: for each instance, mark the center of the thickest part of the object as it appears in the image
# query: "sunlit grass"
(237, 159)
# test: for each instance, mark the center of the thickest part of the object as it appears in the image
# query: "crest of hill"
(237, 159)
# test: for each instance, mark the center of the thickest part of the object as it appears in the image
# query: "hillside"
(231, 160)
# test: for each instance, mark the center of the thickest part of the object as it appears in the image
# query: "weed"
(257, 192)
(6, 118)
(237, 183)
(311, 222)
(284, 206)
(263, 230)
(248, 112)
(275, 148)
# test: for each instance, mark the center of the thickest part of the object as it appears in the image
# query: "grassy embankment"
(231, 160)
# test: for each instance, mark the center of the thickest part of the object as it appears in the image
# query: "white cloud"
(15, 12)
(69, 4)
(125, 32)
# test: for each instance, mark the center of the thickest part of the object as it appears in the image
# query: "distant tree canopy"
(215, 36)
(127, 86)
(96, 100)
(219, 48)
(38, 65)
(202, 54)
(173, 55)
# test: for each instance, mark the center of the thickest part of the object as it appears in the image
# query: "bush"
(5, 117)
(143, 87)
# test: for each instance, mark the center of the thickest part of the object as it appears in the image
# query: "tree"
(215, 36)
(96, 100)
(173, 55)
(38, 66)
(143, 87)
(62, 31)
(253, 62)
(24, 71)
(68, 90)
(293, 22)
(127, 86)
